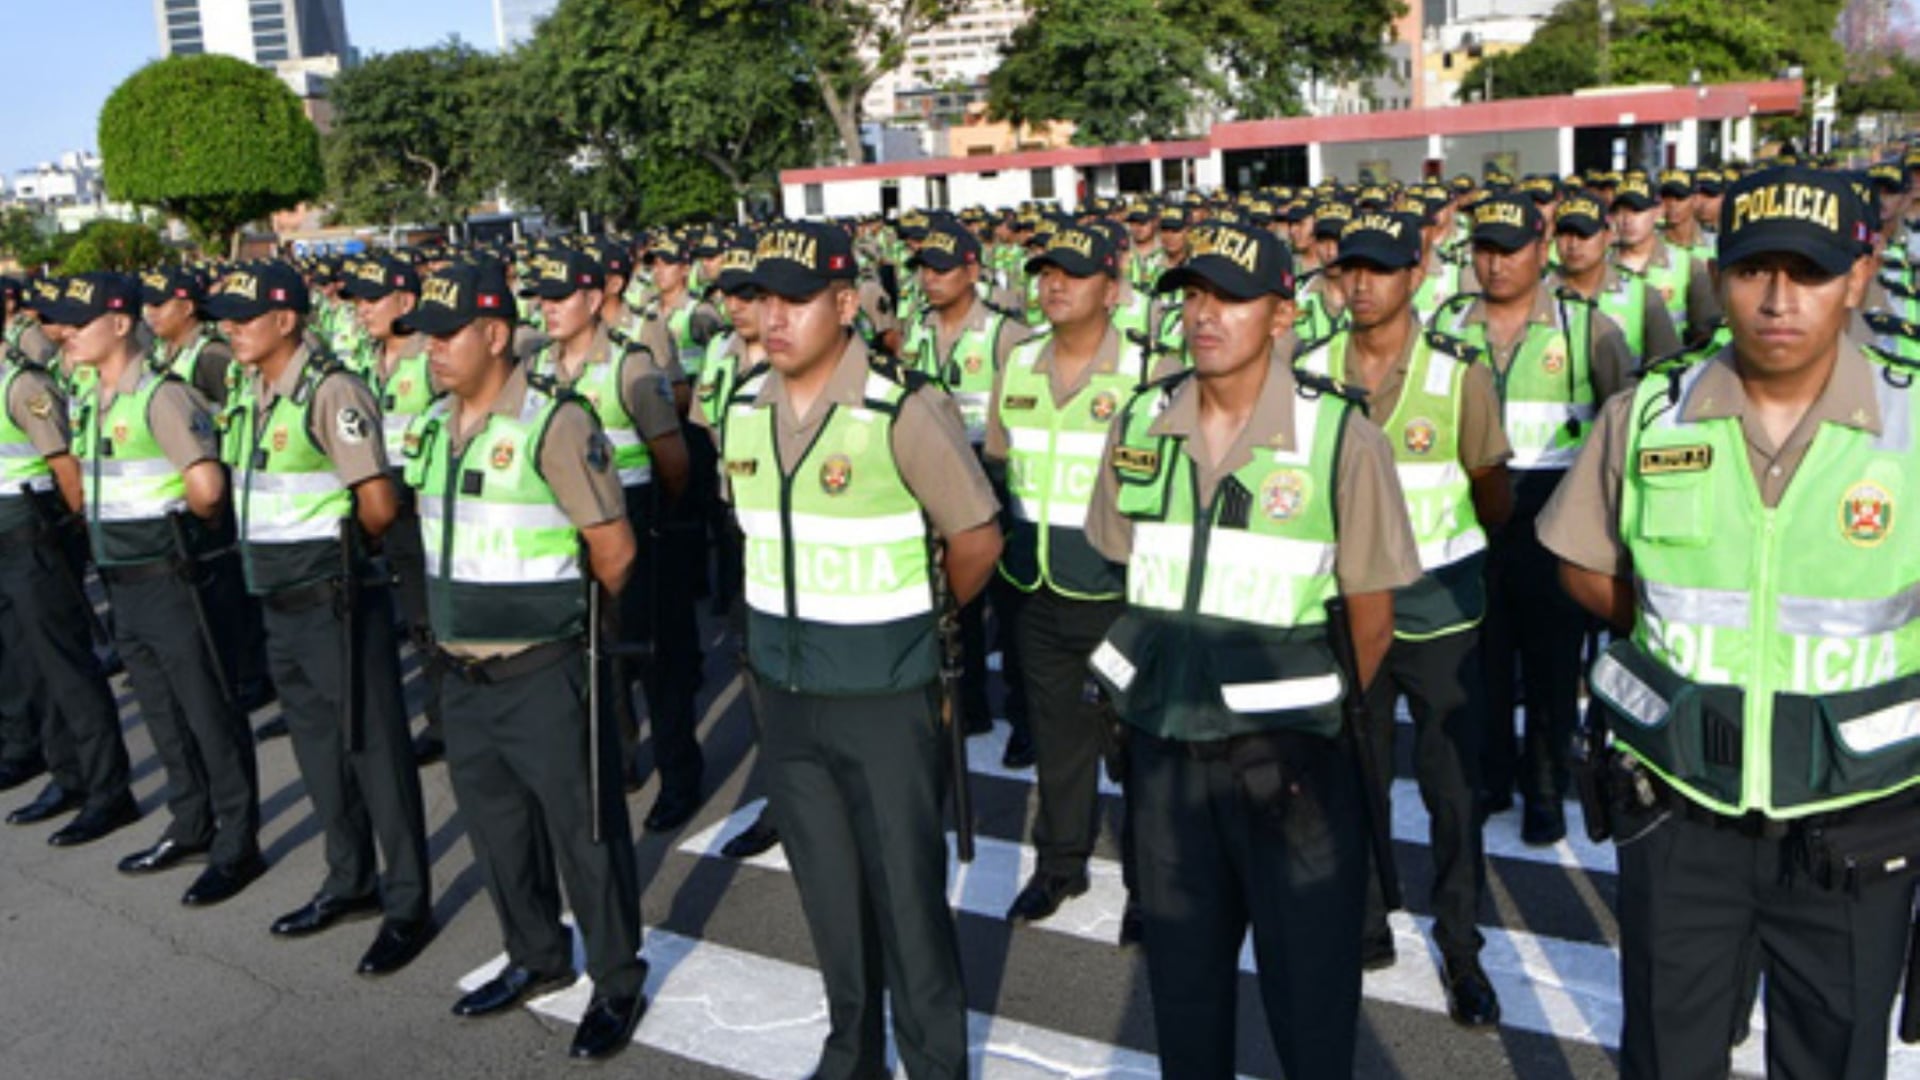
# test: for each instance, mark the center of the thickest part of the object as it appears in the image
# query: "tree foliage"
(210, 139)
(1120, 70)
(1667, 42)
(1124, 70)
(407, 138)
(115, 245)
(1887, 84)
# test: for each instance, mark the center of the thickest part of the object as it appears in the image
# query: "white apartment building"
(964, 49)
(266, 32)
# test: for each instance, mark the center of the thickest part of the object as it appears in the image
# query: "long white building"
(267, 32)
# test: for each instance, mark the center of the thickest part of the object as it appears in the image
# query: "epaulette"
(1674, 363)
(317, 371)
(546, 384)
(1889, 324)
(1567, 295)
(1896, 369)
(1464, 351)
(1313, 385)
(998, 309)
(1457, 300)
(1903, 289)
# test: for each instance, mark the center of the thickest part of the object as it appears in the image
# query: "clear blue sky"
(61, 58)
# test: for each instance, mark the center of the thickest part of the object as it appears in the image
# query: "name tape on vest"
(1676, 459)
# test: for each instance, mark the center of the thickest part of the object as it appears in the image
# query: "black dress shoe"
(165, 855)
(1543, 823)
(1378, 953)
(1019, 753)
(1470, 997)
(672, 810)
(509, 988)
(607, 1027)
(977, 723)
(1492, 803)
(91, 825)
(275, 728)
(759, 838)
(427, 749)
(1043, 894)
(52, 801)
(257, 695)
(396, 945)
(223, 881)
(1133, 925)
(322, 912)
(15, 773)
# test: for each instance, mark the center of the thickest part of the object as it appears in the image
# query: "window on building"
(183, 18)
(183, 5)
(269, 41)
(816, 200)
(1446, 61)
(275, 25)
(1042, 183)
(187, 48)
(270, 56)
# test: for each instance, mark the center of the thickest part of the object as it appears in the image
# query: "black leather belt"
(1754, 824)
(135, 573)
(501, 669)
(300, 597)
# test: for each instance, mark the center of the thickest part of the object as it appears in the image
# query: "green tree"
(851, 44)
(405, 144)
(1721, 41)
(24, 236)
(115, 245)
(1271, 47)
(1893, 88)
(211, 140)
(1120, 70)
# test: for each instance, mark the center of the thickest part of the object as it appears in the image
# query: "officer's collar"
(290, 376)
(1543, 312)
(1106, 355)
(1848, 399)
(846, 386)
(1271, 424)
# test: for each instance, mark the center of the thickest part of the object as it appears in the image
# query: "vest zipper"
(450, 497)
(791, 624)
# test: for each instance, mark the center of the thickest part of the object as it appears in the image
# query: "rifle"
(1353, 727)
(51, 526)
(950, 666)
(347, 607)
(186, 566)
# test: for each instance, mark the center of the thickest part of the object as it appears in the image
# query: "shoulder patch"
(352, 425)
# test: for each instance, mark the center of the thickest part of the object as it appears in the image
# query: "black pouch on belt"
(1279, 774)
(1861, 847)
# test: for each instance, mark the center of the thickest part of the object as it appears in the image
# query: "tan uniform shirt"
(1483, 440)
(34, 405)
(1658, 338)
(1610, 364)
(1106, 360)
(1376, 550)
(873, 301)
(644, 388)
(929, 443)
(345, 419)
(1581, 523)
(1012, 332)
(585, 486)
(176, 415)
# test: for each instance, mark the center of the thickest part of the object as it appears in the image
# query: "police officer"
(311, 475)
(1441, 413)
(838, 468)
(1554, 358)
(623, 384)
(1583, 235)
(1053, 404)
(1246, 810)
(1729, 518)
(64, 702)
(149, 458)
(182, 342)
(514, 478)
(20, 327)
(393, 363)
(1684, 282)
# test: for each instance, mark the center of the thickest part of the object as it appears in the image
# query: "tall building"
(513, 20)
(962, 51)
(267, 32)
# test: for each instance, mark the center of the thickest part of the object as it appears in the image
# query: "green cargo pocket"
(1676, 509)
(1845, 743)
(1693, 733)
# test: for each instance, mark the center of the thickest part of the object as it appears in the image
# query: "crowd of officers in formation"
(1223, 480)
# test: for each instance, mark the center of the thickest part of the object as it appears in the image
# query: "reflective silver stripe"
(1883, 728)
(1730, 608)
(1429, 476)
(1109, 661)
(834, 531)
(37, 483)
(19, 450)
(514, 569)
(619, 438)
(134, 509)
(1451, 550)
(130, 469)
(1807, 616)
(1279, 694)
(1628, 692)
(313, 483)
(279, 532)
(489, 515)
(636, 476)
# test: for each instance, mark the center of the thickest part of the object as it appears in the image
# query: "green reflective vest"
(1436, 288)
(291, 501)
(719, 375)
(680, 333)
(599, 384)
(184, 361)
(1775, 662)
(131, 486)
(1625, 302)
(1053, 459)
(1671, 282)
(966, 371)
(502, 557)
(21, 464)
(1546, 393)
(1225, 628)
(1424, 429)
(404, 394)
(838, 586)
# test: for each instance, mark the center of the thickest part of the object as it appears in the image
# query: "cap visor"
(222, 307)
(1074, 265)
(734, 282)
(938, 261)
(1833, 256)
(432, 321)
(1503, 237)
(1578, 226)
(1229, 281)
(365, 290)
(1634, 202)
(68, 313)
(788, 280)
(1384, 256)
(547, 290)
